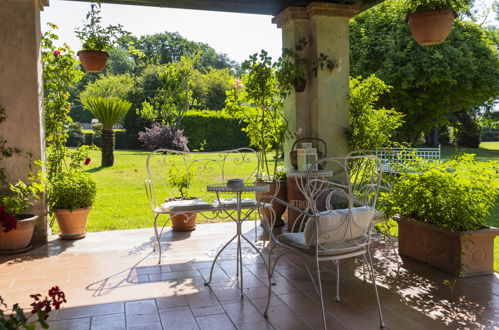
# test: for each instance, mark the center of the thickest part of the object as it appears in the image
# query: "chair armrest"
(151, 194)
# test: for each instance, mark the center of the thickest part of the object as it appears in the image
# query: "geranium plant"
(15, 318)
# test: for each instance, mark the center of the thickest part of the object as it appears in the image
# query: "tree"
(174, 96)
(370, 127)
(429, 82)
(168, 47)
(109, 110)
(210, 88)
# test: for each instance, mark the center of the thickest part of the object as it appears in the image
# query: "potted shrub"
(181, 180)
(430, 21)
(442, 211)
(71, 195)
(16, 227)
(97, 40)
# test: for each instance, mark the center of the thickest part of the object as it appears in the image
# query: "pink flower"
(87, 161)
(7, 220)
(56, 53)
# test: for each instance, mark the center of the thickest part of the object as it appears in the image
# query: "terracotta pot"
(431, 27)
(467, 253)
(299, 84)
(296, 221)
(93, 60)
(278, 209)
(72, 223)
(183, 221)
(17, 240)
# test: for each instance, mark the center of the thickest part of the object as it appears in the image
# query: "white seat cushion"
(297, 241)
(186, 205)
(338, 225)
(232, 203)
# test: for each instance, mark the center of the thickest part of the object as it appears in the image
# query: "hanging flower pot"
(431, 27)
(93, 60)
(299, 84)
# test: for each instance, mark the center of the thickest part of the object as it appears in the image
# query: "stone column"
(322, 109)
(21, 93)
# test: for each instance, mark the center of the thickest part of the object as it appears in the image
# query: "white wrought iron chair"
(339, 212)
(202, 168)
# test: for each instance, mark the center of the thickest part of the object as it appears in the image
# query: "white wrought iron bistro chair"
(340, 211)
(201, 168)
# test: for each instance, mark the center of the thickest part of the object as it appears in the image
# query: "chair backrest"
(342, 201)
(170, 169)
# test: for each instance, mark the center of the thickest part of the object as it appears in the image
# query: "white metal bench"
(393, 158)
(202, 168)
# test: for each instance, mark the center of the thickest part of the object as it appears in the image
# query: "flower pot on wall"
(468, 253)
(18, 240)
(72, 223)
(93, 60)
(277, 209)
(431, 27)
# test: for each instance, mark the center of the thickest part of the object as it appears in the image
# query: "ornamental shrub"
(73, 189)
(163, 136)
(457, 194)
(76, 137)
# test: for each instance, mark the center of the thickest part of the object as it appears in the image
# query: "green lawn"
(121, 201)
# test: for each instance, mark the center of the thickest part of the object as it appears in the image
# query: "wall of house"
(21, 92)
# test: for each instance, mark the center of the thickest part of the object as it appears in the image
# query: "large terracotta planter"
(183, 221)
(18, 240)
(467, 253)
(93, 60)
(431, 27)
(277, 208)
(72, 223)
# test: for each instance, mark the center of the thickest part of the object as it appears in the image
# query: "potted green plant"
(97, 40)
(181, 180)
(71, 196)
(430, 21)
(442, 211)
(16, 227)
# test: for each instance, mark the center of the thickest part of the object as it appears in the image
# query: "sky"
(237, 35)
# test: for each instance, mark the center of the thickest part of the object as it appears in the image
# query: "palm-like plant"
(108, 110)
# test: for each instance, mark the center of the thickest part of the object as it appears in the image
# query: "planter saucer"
(16, 251)
(72, 237)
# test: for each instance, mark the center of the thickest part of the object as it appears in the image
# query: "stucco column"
(21, 92)
(322, 109)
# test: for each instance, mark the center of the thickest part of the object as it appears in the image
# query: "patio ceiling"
(264, 7)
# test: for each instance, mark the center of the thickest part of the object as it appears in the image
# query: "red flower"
(87, 161)
(56, 53)
(7, 220)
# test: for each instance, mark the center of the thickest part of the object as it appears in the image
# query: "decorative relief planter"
(468, 253)
(431, 27)
(277, 208)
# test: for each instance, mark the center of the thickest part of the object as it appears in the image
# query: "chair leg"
(320, 294)
(370, 266)
(337, 262)
(156, 238)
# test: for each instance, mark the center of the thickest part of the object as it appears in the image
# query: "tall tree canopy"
(429, 82)
(168, 47)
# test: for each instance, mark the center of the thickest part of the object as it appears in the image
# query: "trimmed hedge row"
(206, 130)
(213, 130)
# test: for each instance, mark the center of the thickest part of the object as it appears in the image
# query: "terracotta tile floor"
(112, 281)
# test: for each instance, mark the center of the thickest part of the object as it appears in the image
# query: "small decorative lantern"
(306, 156)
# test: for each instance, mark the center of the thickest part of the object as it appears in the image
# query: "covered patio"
(112, 281)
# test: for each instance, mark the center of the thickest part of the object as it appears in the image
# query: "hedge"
(213, 130)
(206, 130)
